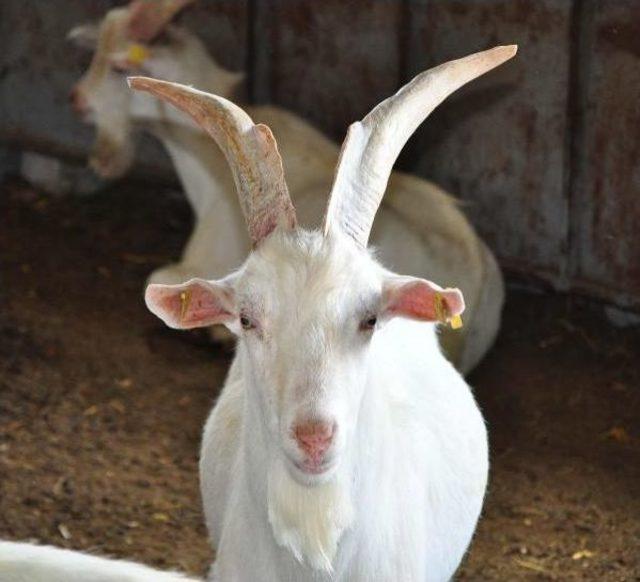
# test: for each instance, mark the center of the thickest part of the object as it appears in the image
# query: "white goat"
(29, 563)
(344, 446)
(419, 230)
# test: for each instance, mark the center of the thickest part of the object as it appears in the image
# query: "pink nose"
(314, 438)
(78, 101)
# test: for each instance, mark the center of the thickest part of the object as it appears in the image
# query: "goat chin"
(308, 520)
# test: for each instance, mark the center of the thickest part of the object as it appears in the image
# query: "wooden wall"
(542, 152)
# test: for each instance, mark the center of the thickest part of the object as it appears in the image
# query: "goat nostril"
(314, 438)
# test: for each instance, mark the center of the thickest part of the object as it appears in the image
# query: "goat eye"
(245, 322)
(369, 323)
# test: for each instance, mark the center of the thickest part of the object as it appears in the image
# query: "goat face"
(101, 96)
(305, 308)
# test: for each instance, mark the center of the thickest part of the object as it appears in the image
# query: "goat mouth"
(312, 469)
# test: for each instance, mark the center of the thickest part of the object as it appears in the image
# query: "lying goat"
(28, 563)
(420, 229)
(344, 446)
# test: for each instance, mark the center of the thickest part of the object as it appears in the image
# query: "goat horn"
(251, 151)
(373, 144)
(148, 18)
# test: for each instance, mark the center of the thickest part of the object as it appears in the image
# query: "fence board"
(499, 144)
(223, 25)
(606, 185)
(330, 61)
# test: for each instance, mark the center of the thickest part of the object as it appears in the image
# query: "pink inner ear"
(416, 299)
(196, 303)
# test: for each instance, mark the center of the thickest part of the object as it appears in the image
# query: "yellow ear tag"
(440, 307)
(137, 54)
(185, 299)
(442, 312)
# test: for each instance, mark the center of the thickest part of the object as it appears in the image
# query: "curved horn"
(373, 144)
(148, 18)
(250, 149)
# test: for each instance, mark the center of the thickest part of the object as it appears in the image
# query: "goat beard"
(309, 521)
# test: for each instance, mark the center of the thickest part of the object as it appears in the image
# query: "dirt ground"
(101, 407)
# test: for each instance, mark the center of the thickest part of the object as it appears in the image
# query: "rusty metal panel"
(499, 144)
(38, 67)
(330, 61)
(606, 185)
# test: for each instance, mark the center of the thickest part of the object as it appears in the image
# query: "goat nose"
(78, 100)
(314, 438)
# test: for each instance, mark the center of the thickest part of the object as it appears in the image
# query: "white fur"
(419, 228)
(404, 498)
(308, 522)
(20, 562)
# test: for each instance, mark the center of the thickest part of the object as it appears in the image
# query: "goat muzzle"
(314, 438)
(78, 101)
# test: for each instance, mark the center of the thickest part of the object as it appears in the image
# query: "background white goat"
(344, 445)
(419, 230)
(29, 563)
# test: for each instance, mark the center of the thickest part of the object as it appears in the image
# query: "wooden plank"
(329, 61)
(499, 144)
(606, 184)
(223, 26)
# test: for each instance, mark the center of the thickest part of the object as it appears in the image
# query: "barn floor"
(101, 408)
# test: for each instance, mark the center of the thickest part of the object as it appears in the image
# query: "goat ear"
(421, 300)
(196, 303)
(84, 36)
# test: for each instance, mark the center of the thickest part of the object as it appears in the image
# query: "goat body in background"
(420, 229)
